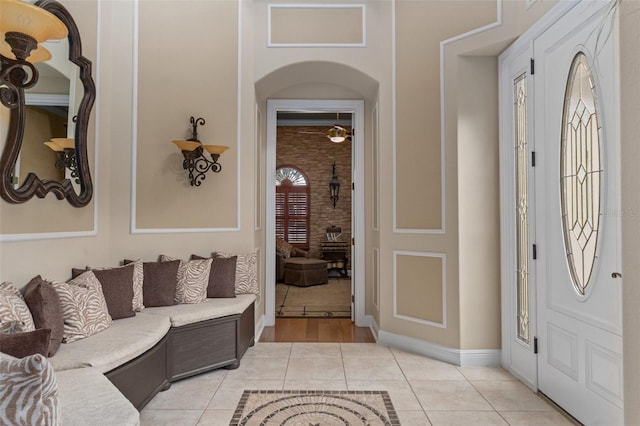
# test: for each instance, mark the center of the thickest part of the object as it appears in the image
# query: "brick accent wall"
(314, 154)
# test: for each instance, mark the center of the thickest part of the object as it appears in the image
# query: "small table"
(335, 253)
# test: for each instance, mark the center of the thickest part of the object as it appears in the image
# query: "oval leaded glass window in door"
(580, 173)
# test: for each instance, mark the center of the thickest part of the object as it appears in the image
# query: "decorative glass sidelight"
(522, 206)
(580, 173)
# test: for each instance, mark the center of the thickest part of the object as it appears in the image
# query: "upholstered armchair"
(284, 250)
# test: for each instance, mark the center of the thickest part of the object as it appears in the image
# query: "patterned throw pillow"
(283, 247)
(29, 391)
(14, 309)
(246, 272)
(11, 327)
(193, 278)
(84, 308)
(138, 283)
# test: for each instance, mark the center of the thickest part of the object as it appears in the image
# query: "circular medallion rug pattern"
(314, 408)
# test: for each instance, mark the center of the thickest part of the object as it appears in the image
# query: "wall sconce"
(24, 26)
(66, 152)
(334, 187)
(195, 160)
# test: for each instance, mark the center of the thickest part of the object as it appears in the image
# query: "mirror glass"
(56, 108)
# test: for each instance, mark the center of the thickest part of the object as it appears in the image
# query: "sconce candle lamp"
(24, 26)
(66, 152)
(195, 161)
(334, 187)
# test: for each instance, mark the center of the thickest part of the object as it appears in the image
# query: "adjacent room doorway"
(353, 183)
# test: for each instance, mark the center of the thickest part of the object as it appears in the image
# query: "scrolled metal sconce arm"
(195, 161)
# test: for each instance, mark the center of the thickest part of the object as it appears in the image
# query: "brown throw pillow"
(24, 344)
(222, 279)
(160, 281)
(117, 287)
(46, 309)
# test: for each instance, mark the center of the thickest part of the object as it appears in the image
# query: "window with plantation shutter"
(292, 206)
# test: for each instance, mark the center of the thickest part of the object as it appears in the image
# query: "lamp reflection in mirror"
(195, 160)
(24, 26)
(65, 150)
(334, 187)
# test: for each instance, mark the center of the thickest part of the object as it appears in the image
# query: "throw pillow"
(84, 309)
(246, 272)
(193, 278)
(117, 287)
(283, 247)
(160, 281)
(29, 391)
(46, 308)
(138, 282)
(222, 279)
(13, 308)
(20, 345)
(11, 327)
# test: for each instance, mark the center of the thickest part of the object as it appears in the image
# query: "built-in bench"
(142, 355)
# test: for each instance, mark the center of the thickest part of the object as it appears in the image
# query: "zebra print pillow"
(138, 280)
(84, 308)
(14, 309)
(29, 391)
(246, 272)
(193, 279)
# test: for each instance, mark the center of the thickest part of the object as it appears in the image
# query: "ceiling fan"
(336, 133)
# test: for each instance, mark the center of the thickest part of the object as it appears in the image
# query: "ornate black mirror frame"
(13, 98)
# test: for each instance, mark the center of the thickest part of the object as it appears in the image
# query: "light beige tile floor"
(423, 391)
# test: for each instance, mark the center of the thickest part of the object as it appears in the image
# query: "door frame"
(507, 189)
(356, 107)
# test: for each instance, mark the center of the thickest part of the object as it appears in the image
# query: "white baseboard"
(259, 327)
(373, 325)
(461, 357)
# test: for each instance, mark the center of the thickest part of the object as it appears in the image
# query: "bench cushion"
(87, 397)
(212, 308)
(123, 341)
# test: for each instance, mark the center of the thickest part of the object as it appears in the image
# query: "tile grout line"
(413, 391)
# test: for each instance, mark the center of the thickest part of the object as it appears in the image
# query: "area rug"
(314, 408)
(326, 300)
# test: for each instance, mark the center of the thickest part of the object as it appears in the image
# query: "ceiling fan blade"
(313, 133)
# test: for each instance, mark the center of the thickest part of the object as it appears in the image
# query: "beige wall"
(478, 202)
(316, 25)
(21, 260)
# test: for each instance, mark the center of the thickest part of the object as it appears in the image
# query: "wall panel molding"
(396, 314)
(443, 45)
(55, 99)
(337, 8)
(134, 137)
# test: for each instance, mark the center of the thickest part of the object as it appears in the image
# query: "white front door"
(577, 204)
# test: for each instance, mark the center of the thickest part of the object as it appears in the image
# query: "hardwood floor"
(336, 330)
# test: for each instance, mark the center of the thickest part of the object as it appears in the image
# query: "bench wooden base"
(185, 351)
